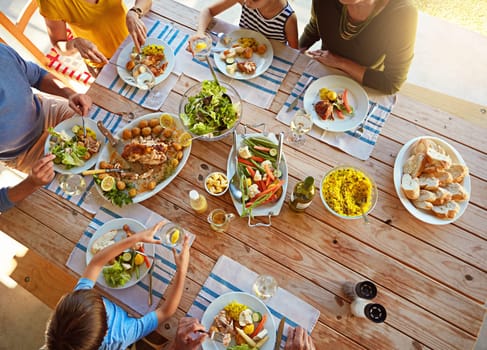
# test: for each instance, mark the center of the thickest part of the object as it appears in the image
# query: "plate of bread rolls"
(432, 180)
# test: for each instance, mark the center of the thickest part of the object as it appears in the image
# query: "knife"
(279, 333)
(295, 101)
(101, 171)
(150, 282)
(115, 142)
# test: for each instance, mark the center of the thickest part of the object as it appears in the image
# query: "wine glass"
(72, 184)
(201, 47)
(301, 124)
(171, 235)
(264, 287)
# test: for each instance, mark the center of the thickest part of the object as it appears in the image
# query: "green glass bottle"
(303, 194)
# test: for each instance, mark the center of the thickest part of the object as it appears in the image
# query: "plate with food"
(150, 152)
(263, 185)
(127, 268)
(148, 68)
(237, 313)
(74, 152)
(247, 55)
(432, 180)
(336, 103)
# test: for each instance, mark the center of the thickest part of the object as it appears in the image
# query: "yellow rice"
(343, 188)
(152, 49)
(234, 309)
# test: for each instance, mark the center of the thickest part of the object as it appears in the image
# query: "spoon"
(222, 37)
(235, 181)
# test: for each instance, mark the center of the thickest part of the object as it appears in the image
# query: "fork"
(216, 336)
(360, 130)
(83, 124)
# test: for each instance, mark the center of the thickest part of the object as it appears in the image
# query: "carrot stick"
(345, 101)
(262, 148)
(146, 259)
(259, 326)
(257, 159)
(245, 161)
(251, 171)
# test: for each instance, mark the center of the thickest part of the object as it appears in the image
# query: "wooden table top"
(431, 279)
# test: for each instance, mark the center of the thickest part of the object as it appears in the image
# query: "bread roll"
(443, 176)
(446, 211)
(438, 159)
(414, 165)
(410, 186)
(103, 241)
(428, 183)
(457, 191)
(458, 172)
(426, 196)
(442, 196)
(423, 205)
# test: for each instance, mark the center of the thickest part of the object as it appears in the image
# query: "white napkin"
(136, 296)
(230, 276)
(359, 146)
(91, 200)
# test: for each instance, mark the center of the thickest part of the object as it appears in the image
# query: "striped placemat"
(359, 146)
(136, 296)
(230, 276)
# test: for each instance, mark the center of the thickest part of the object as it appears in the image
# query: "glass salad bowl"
(210, 111)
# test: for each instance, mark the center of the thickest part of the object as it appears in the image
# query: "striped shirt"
(272, 28)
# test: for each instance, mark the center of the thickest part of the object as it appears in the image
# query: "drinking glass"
(265, 287)
(301, 124)
(201, 47)
(72, 184)
(171, 235)
(219, 220)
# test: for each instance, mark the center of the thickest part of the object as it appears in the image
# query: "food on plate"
(73, 151)
(260, 181)
(152, 56)
(347, 191)
(247, 67)
(150, 155)
(120, 270)
(210, 110)
(242, 327)
(216, 183)
(439, 179)
(331, 103)
(243, 48)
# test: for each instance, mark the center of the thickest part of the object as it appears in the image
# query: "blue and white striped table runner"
(359, 146)
(230, 276)
(136, 296)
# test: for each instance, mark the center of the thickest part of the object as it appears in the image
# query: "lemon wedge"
(200, 46)
(175, 236)
(332, 95)
(107, 183)
(139, 259)
(185, 139)
(166, 120)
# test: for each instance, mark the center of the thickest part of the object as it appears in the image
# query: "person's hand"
(147, 236)
(188, 336)
(298, 339)
(88, 50)
(326, 57)
(80, 103)
(42, 171)
(136, 28)
(182, 259)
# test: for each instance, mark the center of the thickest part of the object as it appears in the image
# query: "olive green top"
(385, 46)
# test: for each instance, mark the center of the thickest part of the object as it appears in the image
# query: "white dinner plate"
(267, 209)
(117, 224)
(124, 57)
(66, 126)
(424, 215)
(244, 298)
(108, 149)
(262, 62)
(357, 99)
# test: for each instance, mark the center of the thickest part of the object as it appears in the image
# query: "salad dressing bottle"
(303, 194)
(197, 201)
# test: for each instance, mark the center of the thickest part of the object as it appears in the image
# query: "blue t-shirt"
(123, 330)
(21, 119)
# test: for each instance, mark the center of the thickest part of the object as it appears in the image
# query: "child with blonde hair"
(275, 19)
(84, 320)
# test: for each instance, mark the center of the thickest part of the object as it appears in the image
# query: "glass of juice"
(171, 235)
(219, 220)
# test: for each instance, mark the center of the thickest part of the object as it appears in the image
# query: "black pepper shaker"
(365, 290)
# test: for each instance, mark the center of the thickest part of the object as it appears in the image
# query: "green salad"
(210, 111)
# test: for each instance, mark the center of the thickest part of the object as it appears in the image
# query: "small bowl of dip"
(348, 192)
(216, 183)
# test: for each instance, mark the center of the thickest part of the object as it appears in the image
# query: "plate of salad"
(210, 110)
(263, 186)
(236, 313)
(129, 267)
(74, 152)
(336, 103)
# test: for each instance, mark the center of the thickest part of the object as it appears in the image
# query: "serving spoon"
(235, 181)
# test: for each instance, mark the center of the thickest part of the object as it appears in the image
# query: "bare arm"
(41, 174)
(173, 297)
(355, 70)
(291, 30)
(135, 25)
(111, 252)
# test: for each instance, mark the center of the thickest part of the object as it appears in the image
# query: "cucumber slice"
(230, 60)
(273, 152)
(256, 316)
(126, 257)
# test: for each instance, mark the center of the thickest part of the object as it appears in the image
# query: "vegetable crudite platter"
(150, 152)
(432, 180)
(74, 152)
(129, 267)
(261, 180)
(336, 103)
(236, 313)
